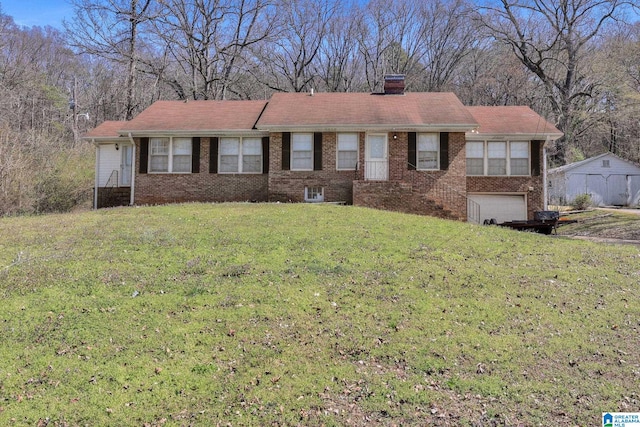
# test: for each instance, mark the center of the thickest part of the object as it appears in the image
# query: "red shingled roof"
(108, 129)
(343, 110)
(196, 117)
(512, 120)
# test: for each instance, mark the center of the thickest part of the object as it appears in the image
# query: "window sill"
(169, 173)
(240, 173)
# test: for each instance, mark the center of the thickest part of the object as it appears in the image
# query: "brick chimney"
(394, 84)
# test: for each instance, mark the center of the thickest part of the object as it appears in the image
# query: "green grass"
(283, 314)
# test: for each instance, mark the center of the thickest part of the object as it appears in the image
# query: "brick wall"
(437, 193)
(288, 186)
(151, 188)
(109, 197)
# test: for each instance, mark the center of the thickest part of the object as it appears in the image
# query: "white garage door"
(501, 207)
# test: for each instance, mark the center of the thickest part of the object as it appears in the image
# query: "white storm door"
(376, 160)
(125, 166)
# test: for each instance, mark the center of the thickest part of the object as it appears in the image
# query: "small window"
(606, 164)
(302, 152)
(428, 151)
(347, 151)
(252, 155)
(475, 158)
(314, 194)
(519, 158)
(159, 155)
(229, 154)
(497, 158)
(182, 155)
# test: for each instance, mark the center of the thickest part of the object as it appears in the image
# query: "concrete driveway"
(623, 210)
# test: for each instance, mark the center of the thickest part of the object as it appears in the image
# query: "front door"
(125, 166)
(376, 162)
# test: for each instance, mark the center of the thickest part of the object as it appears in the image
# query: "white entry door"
(125, 166)
(376, 160)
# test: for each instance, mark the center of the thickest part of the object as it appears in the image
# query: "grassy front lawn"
(282, 314)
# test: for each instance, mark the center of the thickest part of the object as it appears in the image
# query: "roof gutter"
(133, 170)
(191, 133)
(371, 127)
(545, 182)
(96, 181)
(473, 136)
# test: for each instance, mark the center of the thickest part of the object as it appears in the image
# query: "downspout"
(133, 170)
(97, 177)
(545, 183)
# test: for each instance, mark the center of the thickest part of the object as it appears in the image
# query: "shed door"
(501, 207)
(617, 190)
(634, 190)
(597, 188)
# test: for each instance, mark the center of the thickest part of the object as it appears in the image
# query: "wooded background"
(576, 62)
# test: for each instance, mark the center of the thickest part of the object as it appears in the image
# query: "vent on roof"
(394, 84)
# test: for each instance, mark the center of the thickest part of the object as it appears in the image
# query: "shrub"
(581, 202)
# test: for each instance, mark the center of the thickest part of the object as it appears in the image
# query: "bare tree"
(111, 29)
(552, 38)
(616, 64)
(287, 62)
(448, 35)
(373, 39)
(206, 41)
(338, 63)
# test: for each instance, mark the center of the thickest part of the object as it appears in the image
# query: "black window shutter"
(213, 155)
(444, 151)
(412, 157)
(144, 154)
(195, 154)
(265, 154)
(286, 151)
(317, 151)
(535, 158)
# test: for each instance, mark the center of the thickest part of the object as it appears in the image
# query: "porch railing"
(112, 182)
(376, 170)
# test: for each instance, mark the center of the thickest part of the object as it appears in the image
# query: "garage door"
(501, 207)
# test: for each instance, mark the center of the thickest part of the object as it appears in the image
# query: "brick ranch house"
(423, 153)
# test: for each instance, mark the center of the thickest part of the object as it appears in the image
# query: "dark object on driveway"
(544, 222)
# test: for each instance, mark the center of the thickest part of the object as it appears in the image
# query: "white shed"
(607, 178)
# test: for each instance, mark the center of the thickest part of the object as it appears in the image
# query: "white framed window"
(498, 158)
(519, 158)
(181, 155)
(314, 194)
(606, 163)
(302, 151)
(428, 151)
(170, 155)
(347, 151)
(240, 155)
(475, 158)
(252, 155)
